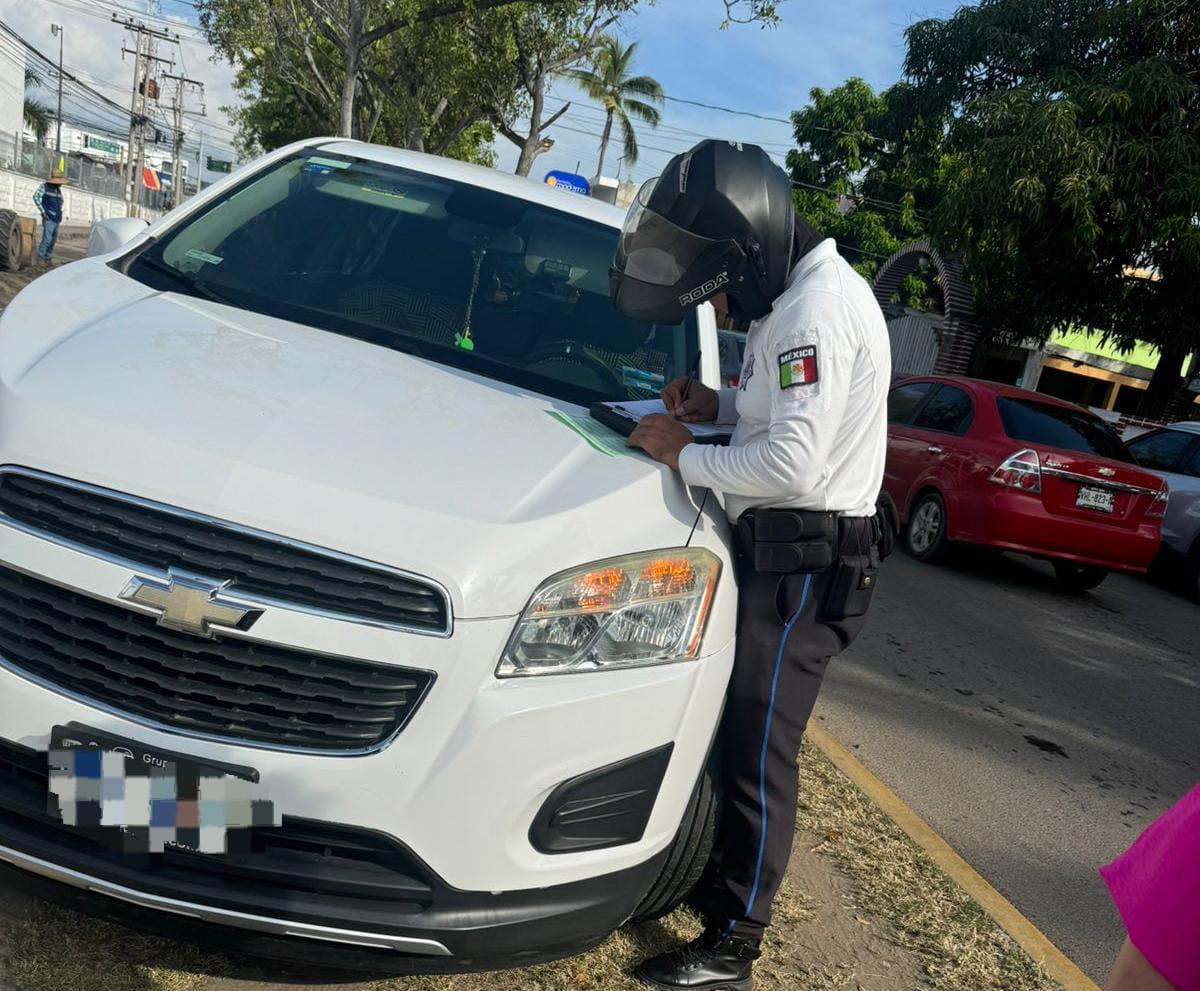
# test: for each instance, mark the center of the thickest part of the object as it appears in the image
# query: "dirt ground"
(72, 242)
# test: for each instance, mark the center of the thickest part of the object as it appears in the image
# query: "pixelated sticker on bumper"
(139, 799)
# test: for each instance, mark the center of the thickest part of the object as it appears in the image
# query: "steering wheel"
(575, 353)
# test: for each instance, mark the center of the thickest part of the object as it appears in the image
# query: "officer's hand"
(662, 437)
(701, 405)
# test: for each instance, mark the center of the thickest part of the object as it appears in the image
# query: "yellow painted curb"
(1031, 939)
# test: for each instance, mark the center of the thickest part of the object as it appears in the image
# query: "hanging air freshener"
(463, 338)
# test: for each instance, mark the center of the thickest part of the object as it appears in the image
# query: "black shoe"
(709, 963)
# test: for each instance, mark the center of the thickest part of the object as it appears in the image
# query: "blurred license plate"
(1100, 499)
(143, 800)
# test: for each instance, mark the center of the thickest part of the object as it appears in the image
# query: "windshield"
(454, 273)
(1060, 426)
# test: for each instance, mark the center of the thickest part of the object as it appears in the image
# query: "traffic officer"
(800, 479)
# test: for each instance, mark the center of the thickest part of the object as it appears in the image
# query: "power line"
(51, 63)
(728, 110)
(103, 9)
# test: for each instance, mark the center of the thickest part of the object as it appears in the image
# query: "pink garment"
(1156, 887)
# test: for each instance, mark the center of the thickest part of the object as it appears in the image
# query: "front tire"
(925, 537)
(689, 854)
(1078, 577)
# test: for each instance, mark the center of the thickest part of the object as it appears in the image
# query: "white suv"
(297, 487)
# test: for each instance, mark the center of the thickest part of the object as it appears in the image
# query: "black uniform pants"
(785, 641)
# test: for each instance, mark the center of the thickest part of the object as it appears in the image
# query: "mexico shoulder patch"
(798, 367)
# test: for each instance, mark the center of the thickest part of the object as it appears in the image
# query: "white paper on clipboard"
(646, 407)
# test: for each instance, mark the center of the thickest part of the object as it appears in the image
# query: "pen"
(691, 376)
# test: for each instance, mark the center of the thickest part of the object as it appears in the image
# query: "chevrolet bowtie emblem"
(189, 603)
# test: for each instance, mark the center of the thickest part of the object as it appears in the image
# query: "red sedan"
(987, 464)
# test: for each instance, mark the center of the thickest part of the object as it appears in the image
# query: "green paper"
(599, 437)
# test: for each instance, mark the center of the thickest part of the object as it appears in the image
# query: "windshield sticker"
(330, 163)
(203, 256)
(639, 378)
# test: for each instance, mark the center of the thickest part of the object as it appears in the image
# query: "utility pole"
(57, 29)
(200, 166)
(143, 83)
(177, 110)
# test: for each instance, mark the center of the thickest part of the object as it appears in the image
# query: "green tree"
(419, 88)
(1072, 166)
(35, 114)
(327, 47)
(622, 95)
(854, 176)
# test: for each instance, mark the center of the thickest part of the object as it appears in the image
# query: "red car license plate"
(1098, 499)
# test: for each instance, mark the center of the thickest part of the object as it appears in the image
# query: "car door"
(940, 448)
(1175, 455)
(903, 461)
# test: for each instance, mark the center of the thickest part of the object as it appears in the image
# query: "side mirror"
(108, 235)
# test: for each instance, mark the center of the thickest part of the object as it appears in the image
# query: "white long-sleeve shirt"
(811, 405)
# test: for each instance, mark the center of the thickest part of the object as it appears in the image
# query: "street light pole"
(57, 29)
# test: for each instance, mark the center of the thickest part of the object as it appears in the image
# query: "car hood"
(318, 437)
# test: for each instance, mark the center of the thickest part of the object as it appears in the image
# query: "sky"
(747, 67)
(92, 46)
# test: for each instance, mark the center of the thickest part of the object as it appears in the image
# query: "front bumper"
(469, 931)
(451, 931)
(456, 792)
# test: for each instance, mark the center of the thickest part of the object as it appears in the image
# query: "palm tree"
(609, 82)
(37, 115)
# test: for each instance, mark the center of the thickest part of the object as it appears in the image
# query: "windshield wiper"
(196, 287)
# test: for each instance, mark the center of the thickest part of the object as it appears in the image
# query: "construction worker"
(48, 198)
(800, 480)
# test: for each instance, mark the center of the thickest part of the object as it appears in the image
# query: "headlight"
(625, 612)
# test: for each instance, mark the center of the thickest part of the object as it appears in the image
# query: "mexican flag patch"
(798, 366)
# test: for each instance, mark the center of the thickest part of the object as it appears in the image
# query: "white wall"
(12, 86)
(80, 208)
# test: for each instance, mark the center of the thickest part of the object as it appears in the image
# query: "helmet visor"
(652, 249)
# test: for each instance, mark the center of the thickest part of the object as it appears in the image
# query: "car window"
(948, 411)
(1161, 450)
(1192, 465)
(1059, 426)
(457, 274)
(904, 400)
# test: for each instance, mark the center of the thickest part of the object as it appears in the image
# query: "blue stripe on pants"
(762, 758)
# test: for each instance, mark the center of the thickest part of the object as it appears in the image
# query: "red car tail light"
(1158, 508)
(1021, 471)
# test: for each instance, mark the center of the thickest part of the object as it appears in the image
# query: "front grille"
(334, 866)
(226, 688)
(260, 565)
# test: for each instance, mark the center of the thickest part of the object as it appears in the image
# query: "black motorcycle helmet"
(719, 219)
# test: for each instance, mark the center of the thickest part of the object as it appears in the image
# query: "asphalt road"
(1036, 731)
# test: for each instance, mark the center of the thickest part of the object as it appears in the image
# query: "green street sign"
(102, 144)
(219, 165)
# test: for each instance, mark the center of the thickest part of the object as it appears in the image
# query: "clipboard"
(624, 417)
